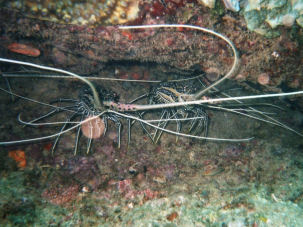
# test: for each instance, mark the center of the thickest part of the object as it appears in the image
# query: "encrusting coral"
(79, 12)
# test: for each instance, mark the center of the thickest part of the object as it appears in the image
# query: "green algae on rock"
(264, 16)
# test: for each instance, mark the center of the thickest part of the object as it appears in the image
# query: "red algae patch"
(93, 128)
(172, 216)
(19, 157)
(24, 49)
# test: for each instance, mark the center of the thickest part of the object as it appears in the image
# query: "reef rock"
(77, 11)
(264, 16)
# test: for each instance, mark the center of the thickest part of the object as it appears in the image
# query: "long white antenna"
(95, 93)
(231, 72)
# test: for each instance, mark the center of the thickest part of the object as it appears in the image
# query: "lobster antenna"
(95, 93)
(134, 107)
(236, 56)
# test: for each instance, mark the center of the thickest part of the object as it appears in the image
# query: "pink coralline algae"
(233, 151)
(61, 195)
(263, 79)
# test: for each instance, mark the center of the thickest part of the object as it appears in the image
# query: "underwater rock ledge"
(87, 50)
(71, 45)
